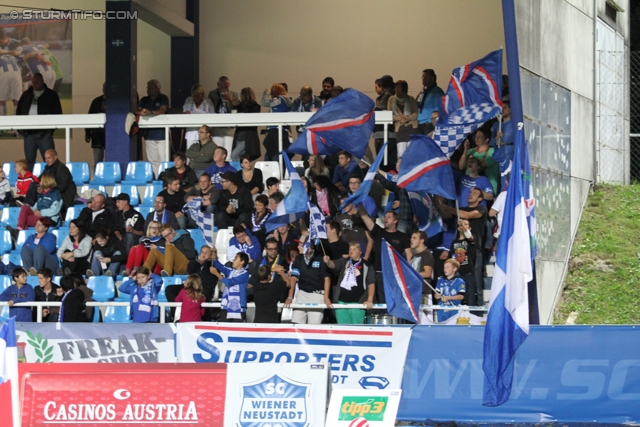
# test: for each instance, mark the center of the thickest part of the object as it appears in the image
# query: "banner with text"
(366, 357)
(95, 342)
(566, 373)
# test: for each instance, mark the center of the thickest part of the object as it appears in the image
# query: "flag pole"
(457, 209)
(322, 246)
(499, 139)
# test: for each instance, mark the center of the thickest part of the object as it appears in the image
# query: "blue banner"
(566, 373)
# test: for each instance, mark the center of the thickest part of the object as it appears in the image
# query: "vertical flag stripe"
(397, 270)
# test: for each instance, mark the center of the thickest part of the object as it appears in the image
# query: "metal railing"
(58, 121)
(163, 305)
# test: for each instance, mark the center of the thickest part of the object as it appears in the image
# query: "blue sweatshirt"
(48, 241)
(148, 312)
(215, 171)
(23, 294)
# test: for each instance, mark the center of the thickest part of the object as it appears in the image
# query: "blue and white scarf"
(231, 297)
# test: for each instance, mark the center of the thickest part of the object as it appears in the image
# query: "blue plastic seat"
(127, 188)
(117, 314)
(5, 282)
(9, 169)
(22, 238)
(9, 216)
(73, 212)
(150, 194)
(198, 238)
(33, 281)
(103, 287)
(38, 168)
(236, 165)
(107, 173)
(101, 188)
(144, 211)
(138, 173)
(80, 172)
(164, 166)
(4, 313)
(96, 315)
(13, 258)
(6, 243)
(167, 281)
(61, 234)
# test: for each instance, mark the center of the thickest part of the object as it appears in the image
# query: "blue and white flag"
(473, 97)
(204, 220)
(425, 168)
(505, 165)
(344, 123)
(317, 223)
(363, 191)
(295, 203)
(508, 320)
(8, 351)
(429, 219)
(402, 285)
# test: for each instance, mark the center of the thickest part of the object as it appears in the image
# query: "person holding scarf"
(244, 241)
(144, 295)
(278, 276)
(235, 280)
(355, 285)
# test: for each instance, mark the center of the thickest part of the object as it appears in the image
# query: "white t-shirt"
(498, 206)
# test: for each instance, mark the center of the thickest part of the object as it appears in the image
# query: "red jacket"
(24, 181)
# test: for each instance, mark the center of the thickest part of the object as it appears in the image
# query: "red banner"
(127, 394)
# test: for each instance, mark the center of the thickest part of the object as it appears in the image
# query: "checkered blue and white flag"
(205, 222)
(317, 223)
(202, 219)
(461, 123)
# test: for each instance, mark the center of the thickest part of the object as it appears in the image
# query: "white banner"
(95, 342)
(276, 394)
(366, 357)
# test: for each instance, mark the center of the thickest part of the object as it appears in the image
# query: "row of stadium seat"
(137, 173)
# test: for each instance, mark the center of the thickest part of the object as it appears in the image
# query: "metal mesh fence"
(634, 113)
(611, 147)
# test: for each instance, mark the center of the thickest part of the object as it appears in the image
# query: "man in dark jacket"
(235, 203)
(96, 135)
(64, 182)
(277, 265)
(178, 251)
(95, 217)
(38, 100)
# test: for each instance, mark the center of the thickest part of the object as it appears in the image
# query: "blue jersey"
(23, 294)
(449, 288)
(36, 63)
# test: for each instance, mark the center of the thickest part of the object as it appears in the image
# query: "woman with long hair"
(326, 196)
(316, 167)
(139, 253)
(191, 297)
(75, 249)
(249, 176)
(48, 204)
(246, 139)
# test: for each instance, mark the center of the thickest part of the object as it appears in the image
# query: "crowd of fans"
(110, 237)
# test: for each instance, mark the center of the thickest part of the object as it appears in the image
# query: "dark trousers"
(392, 154)
(34, 142)
(224, 220)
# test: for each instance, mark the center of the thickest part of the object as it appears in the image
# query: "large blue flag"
(402, 285)
(344, 123)
(363, 191)
(508, 321)
(505, 165)
(474, 96)
(425, 168)
(295, 203)
(429, 219)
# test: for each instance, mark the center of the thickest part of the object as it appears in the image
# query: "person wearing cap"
(219, 166)
(129, 222)
(235, 203)
(311, 274)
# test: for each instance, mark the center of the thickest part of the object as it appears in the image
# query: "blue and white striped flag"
(508, 321)
(362, 192)
(295, 203)
(205, 222)
(317, 223)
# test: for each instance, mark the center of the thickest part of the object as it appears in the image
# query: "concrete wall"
(557, 42)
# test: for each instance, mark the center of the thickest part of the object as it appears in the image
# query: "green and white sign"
(363, 408)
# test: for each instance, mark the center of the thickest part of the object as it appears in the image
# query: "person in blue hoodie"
(236, 280)
(219, 166)
(39, 251)
(144, 291)
(244, 241)
(20, 292)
